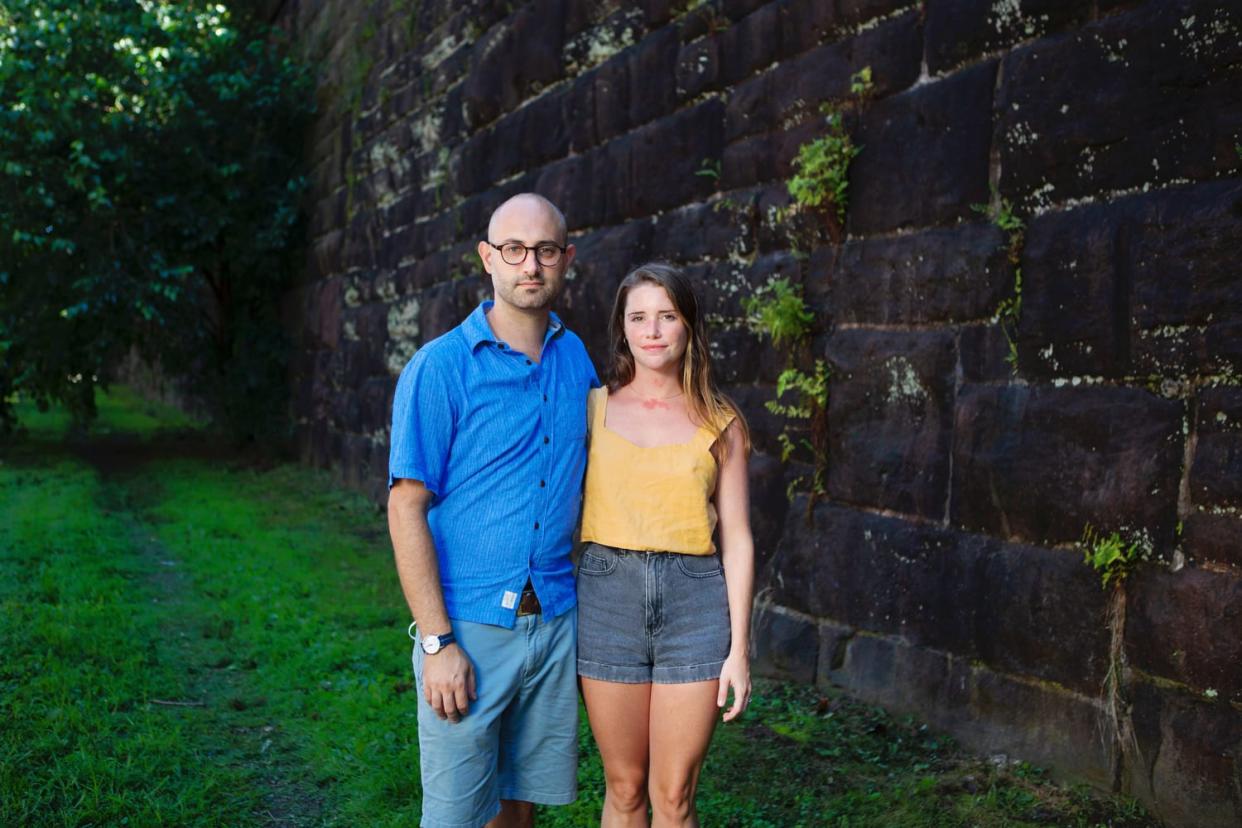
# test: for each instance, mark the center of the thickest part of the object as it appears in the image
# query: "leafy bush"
(149, 187)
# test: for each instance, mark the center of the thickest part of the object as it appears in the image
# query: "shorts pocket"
(700, 566)
(593, 563)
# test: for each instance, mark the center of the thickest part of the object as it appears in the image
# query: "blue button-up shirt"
(500, 440)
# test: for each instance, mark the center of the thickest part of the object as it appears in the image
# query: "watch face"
(431, 644)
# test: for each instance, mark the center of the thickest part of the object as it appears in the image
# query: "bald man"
(485, 481)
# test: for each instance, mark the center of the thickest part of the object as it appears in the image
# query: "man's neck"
(522, 330)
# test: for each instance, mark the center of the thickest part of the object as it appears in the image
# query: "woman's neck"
(655, 385)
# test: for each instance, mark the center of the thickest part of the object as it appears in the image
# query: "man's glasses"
(546, 253)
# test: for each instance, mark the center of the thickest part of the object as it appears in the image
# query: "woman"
(664, 621)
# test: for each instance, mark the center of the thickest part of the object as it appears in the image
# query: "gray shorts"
(520, 738)
(651, 616)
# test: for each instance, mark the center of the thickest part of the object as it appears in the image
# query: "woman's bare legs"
(664, 727)
(620, 718)
(682, 719)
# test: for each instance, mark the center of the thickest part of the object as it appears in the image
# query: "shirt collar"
(478, 332)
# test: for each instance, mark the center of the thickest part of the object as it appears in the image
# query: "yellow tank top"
(656, 499)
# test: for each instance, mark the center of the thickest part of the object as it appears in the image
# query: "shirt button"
(545, 397)
(528, 362)
(545, 440)
(536, 524)
(542, 483)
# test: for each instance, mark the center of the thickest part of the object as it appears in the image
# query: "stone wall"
(941, 572)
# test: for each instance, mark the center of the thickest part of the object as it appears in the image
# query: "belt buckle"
(529, 603)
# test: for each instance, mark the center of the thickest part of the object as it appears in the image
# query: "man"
(485, 477)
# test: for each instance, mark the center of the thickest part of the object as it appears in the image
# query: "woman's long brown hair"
(707, 404)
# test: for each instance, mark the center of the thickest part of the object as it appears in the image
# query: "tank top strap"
(703, 440)
(706, 437)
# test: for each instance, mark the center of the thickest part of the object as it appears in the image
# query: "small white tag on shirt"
(510, 600)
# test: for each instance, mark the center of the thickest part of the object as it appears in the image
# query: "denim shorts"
(651, 616)
(519, 740)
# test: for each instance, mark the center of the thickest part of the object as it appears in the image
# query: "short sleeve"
(423, 423)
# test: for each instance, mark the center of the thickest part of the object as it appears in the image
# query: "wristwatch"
(433, 644)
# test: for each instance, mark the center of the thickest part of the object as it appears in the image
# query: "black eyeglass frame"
(526, 251)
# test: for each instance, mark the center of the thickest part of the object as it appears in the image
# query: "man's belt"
(529, 604)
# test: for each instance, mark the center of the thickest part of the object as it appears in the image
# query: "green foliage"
(150, 175)
(709, 169)
(822, 177)
(1009, 311)
(1007, 314)
(778, 310)
(1110, 556)
(810, 405)
(1002, 215)
(812, 392)
(861, 84)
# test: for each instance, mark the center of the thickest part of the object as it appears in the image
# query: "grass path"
(191, 639)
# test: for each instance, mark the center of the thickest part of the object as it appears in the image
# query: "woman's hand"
(734, 674)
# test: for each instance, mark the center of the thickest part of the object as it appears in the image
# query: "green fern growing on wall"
(778, 311)
(821, 180)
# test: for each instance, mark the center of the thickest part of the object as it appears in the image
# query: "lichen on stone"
(425, 130)
(596, 45)
(440, 51)
(904, 384)
(403, 333)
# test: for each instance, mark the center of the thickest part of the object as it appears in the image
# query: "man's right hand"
(448, 682)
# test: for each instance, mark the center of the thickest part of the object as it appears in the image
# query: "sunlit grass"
(119, 411)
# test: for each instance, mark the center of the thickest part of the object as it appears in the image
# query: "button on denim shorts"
(651, 616)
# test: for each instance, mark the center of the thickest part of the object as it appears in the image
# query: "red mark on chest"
(652, 404)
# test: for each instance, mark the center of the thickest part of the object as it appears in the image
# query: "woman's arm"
(738, 555)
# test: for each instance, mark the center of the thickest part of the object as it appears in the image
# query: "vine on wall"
(820, 185)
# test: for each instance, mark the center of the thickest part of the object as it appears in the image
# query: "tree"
(150, 178)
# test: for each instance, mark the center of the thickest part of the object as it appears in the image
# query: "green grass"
(82, 742)
(192, 638)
